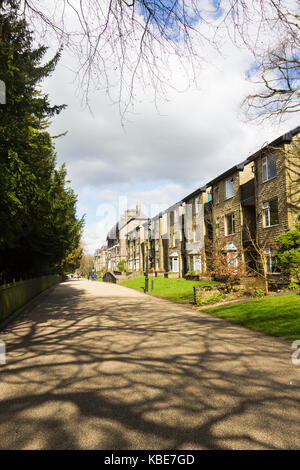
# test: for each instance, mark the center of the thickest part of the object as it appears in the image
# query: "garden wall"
(16, 295)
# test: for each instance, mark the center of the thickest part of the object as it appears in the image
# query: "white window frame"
(217, 194)
(218, 226)
(232, 259)
(270, 263)
(175, 216)
(265, 167)
(196, 234)
(267, 214)
(197, 259)
(196, 202)
(227, 194)
(175, 265)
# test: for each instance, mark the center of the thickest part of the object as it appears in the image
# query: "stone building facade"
(257, 199)
(229, 210)
(277, 193)
(100, 258)
(194, 230)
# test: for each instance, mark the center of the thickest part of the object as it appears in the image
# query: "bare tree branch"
(123, 45)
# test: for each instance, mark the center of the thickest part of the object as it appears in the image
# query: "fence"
(16, 295)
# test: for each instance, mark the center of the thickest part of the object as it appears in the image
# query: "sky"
(157, 156)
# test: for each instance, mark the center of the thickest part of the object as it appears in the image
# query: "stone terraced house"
(254, 201)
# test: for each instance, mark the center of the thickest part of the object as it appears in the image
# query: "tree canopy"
(289, 252)
(38, 223)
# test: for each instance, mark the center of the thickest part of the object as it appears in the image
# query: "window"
(230, 224)
(232, 259)
(175, 216)
(174, 265)
(269, 167)
(272, 263)
(137, 264)
(197, 263)
(196, 204)
(270, 213)
(217, 227)
(209, 197)
(229, 188)
(217, 195)
(196, 234)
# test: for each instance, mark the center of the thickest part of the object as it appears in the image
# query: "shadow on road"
(121, 372)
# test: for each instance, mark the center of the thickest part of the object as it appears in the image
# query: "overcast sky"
(158, 157)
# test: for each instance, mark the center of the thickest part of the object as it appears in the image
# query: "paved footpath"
(99, 366)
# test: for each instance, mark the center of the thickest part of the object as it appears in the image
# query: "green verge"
(177, 290)
(278, 316)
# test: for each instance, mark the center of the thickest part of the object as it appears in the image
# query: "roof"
(112, 234)
(194, 193)
(140, 217)
(234, 169)
(283, 139)
(172, 208)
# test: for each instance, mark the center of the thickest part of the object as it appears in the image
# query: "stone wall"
(203, 293)
(16, 295)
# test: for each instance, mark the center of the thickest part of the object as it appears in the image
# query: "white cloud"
(195, 136)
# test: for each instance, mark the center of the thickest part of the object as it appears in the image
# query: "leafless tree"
(277, 79)
(127, 44)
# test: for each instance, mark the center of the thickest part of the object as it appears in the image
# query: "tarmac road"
(99, 366)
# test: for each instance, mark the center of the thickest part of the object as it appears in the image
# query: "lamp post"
(146, 276)
(148, 239)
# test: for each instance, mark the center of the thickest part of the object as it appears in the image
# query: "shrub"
(293, 285)
(257, 293)
(191, 273)
(212, 300)
(122, 265)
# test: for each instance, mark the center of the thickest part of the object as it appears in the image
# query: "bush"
(191, 273)
(257, 293)
(212, 300)
(122, 265)
(293, 285)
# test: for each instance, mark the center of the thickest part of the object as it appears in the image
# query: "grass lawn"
(178, 290)
(279, 316)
